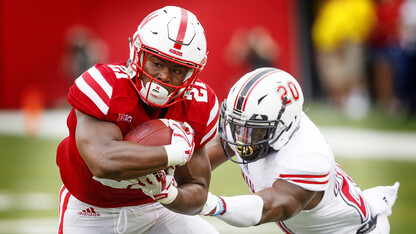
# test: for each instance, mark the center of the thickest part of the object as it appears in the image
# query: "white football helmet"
(262, 111)
(174, 34)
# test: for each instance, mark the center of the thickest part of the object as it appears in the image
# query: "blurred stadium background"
(46, 44)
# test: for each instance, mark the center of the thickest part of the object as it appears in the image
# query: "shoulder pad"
(310, 171)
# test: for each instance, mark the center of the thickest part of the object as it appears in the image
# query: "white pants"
(78, 217)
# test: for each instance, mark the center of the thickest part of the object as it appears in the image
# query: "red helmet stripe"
(182, 29)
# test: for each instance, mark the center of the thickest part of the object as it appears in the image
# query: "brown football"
(154, 132)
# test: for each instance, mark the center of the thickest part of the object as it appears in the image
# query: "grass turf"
(27, 165)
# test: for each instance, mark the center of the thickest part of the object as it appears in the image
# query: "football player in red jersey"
(101, 173)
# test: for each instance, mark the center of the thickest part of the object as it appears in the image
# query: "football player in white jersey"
(288, 165)
(100, 170)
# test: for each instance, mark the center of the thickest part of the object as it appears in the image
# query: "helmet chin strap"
(131, 69)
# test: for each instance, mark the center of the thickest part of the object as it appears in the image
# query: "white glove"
(381, 198)
(182, 144)
(160, 186)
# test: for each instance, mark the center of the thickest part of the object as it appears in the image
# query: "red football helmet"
(173, 34)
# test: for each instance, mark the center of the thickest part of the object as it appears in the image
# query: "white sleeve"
(243, 210)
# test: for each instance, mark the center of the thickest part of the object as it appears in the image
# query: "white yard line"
(52, 123)
(29, 226)
(27, 201)
(359, 143)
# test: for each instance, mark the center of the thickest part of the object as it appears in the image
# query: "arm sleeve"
(243, 210)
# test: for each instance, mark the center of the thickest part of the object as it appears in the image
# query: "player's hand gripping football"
(182, 143)
(159, 185)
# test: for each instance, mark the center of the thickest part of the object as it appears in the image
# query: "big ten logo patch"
(124, 118)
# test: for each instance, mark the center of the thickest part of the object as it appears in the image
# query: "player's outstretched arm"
(102, 147)
(216, 153)
(279, 202)
(284, 200)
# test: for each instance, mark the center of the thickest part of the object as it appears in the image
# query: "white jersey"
(307, 161)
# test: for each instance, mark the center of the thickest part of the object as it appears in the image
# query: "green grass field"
(28, 169)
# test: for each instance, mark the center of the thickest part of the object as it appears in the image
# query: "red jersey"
(107, 93)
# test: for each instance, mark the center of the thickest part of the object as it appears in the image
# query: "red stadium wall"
(32, 39)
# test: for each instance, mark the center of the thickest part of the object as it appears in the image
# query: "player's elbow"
(100, 170)
(278, 211)
(99, 163)
(287, 213)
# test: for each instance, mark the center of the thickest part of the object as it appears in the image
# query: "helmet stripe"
(238, 98)
(248, 86)
(182, 29)
(147, 19)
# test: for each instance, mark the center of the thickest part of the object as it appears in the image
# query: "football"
(154, 132)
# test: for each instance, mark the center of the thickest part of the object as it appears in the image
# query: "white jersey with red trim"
(106, 93)
(307, 161)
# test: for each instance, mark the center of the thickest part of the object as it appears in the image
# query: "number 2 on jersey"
(347, 188)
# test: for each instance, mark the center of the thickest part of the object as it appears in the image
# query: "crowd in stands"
(365, 55)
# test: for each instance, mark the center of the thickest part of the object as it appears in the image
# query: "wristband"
(222, 207)
(175, 155)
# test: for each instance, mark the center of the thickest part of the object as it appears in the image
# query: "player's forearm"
(107, 155)
(190, 199)
(215, 153)
(124, 160)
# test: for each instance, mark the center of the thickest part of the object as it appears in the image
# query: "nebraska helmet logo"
(175, 52)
